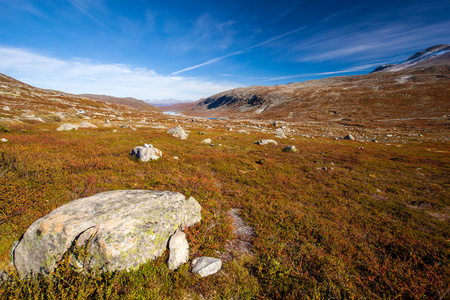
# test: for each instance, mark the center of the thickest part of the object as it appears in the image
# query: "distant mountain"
(417, 88)
(179, 107)
(25, 103)
(434, 56)
(128, 101)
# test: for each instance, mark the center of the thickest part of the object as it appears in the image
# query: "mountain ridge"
(419, 90)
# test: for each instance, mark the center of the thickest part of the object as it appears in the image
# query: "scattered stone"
(176, 157)
(146, 153)
(206, 141)
(3, 140)
(280, 134)
(6, 108)
(290, 149)
(67, 127)
(179, 250)
(266, 142)
(86, 124)
(178, 132)
(205, 266)
(261, 161)
(349, 137)
(125, 126)
(81, 112)
(119, 230)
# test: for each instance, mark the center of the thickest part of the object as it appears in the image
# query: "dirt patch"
(243, 233)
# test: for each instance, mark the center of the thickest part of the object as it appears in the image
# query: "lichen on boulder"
(119, 230)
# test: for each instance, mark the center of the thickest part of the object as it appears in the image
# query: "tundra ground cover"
(337, 219)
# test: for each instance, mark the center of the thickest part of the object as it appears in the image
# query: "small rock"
(206, 141)
(6, 108)
(205, 266)
(290, 149)
(349, 137)
(67, 127)
(145, 154)
(280, 134)
(266, 142)
(179, 250)
(178, 132)
(3, 140)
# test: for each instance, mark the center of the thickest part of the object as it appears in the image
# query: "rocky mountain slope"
(417, 90)
(21, 102)
(128, 101)
(434, 56)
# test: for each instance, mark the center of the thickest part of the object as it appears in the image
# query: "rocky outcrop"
(146, 153)
(86, 124)
(119, 230)
(178, 132)
(67, 127)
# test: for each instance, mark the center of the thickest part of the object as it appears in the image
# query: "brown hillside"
(378, 98)
(128, 101)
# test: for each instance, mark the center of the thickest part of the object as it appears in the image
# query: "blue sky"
(187, 50)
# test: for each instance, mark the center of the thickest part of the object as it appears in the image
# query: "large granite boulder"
(119, 230)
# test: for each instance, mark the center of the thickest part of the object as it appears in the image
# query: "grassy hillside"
(337, 219)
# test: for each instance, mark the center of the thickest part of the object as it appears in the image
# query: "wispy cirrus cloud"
(86, 76)
(240, 51)
(349, 70)
(368, 41)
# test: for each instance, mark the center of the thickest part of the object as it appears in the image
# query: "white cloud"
(85, 76)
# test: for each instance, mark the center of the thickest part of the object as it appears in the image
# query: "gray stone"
(205, 266)
(290, 149)
(266, 142)
(280, 134)
(206, 141)
(179, 250)
(119, 230)
(178, 132)
(145, 154)
(6, 108)
(3, 140)
(67, 127)
(349, 137)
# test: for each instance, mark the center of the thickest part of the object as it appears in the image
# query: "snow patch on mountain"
(417, 59)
